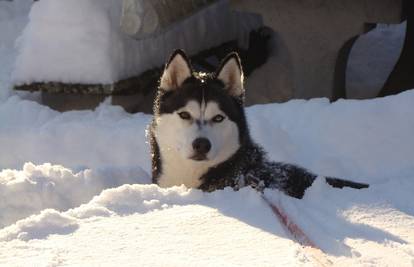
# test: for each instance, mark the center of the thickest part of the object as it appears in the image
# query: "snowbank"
(367, 140)
(80, 41)
(107, 136)
(132, 223)
(41, 226)
(132, 199)
(181, 227)
(35, 188)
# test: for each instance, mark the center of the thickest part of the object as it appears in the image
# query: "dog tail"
(298, 179)
(341, 183)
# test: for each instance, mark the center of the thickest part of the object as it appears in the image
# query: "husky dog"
(199, 136)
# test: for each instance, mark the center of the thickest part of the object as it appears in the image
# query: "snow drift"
(35, 188)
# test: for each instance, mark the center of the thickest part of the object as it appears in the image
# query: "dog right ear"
(176, 71)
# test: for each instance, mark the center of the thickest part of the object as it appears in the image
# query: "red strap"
(293, 228)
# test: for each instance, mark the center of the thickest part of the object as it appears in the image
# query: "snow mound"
(35, 188)
(39, 226)
(141, 199)
(186, 227)
(137, 199)
(68, 35)
(123, 200)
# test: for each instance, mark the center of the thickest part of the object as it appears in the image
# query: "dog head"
(200, 116)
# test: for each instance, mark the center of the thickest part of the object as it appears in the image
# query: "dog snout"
(201, 145)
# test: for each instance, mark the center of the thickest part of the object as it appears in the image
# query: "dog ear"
(176, 71)
(231, 74)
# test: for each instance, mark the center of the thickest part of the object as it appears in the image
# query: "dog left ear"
(231, 74)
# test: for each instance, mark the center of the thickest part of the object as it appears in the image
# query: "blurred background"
(76, 53)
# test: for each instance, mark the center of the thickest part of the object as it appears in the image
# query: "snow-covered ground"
(75, 187)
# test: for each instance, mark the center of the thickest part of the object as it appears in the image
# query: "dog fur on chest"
(177, 171)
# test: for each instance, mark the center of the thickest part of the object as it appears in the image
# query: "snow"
(80, 41)
(35, 188)
(374, 228)
(75, 187)
(13, 18)
(358, 139)
(132, 223)
(136, 226)
(77, 139)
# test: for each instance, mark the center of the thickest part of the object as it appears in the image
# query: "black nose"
(201, 145)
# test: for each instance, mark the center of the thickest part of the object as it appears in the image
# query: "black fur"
(249, 166)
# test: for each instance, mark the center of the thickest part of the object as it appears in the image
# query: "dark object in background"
(258, 51)
(255, 56)
(402, 76)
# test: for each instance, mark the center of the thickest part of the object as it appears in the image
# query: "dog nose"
(201, 145)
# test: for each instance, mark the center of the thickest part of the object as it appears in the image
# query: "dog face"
(199, 117)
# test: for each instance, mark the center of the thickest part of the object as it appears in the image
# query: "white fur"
(232, 77)
(175, 137)
(175, 73)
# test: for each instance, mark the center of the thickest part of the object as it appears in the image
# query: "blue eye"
(218, 118)
(184, 115)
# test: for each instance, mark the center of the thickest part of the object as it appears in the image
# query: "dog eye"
(184, 115)
(218, 118)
